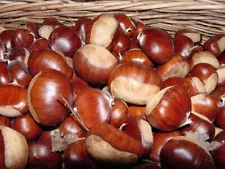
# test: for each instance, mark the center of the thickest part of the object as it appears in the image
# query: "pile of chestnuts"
(110, 93)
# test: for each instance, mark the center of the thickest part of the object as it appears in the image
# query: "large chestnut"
(44, 97)
(94, 64)
(65, 40)
(134, 83)
(169, 109)
(157, 45)
(23, 38)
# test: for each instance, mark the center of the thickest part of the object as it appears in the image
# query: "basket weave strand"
(204, 16)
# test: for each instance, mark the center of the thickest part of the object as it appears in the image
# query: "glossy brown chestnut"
(169, 109)
(117, 148)
(119, 114)
(134, 83)
(93, 106)
(220, 119)
(27, 126)
(194, 36)
(94, 64)
(4, 75)
(137, 111)
(175, 81)
(177, 66)
(218, 156)
(39, 44)
(215, 44)
(159, 139)
(19, 73)
(44, 60)
(20, 54)
(33, 28)
(6, 37)
(40, 155)
(23, 38)
(65, 40)
(78, 84)
(76, 156)
(44, 97)
(138, 57)
(180, 152)
(5, 121)
(13, 100)
(157, 44)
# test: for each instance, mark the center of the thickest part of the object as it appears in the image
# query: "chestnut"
(44, 96)
(76, 156)
(119, 114)
(134, 83)
(194, 36)
(33, 28)
(221, 77)
(39, 44)
(20, 54)
(157, 44)
(94, 64)
(220, 119)
(136, 56)
(13, 100)
(180, 152)
(5, 121)
(159, 139)
(175, 81)
(23, 38)
(136, 111)
(169, 109)
(177, 66)
(4, 75)
(93, 106)
(78, 85)
(218, 156)
(117, 148)
(215, 44)
(13, 149)
(6, 37)
(27, 126)
(65, 40)
(104, 26)
(42, 60)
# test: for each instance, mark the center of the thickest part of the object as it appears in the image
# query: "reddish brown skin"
(157, 44)
(6, 37)
(5, 121)
(81, 28)
(211, 45)
(33, 27)
(125, 23)
(23, 38)
(47, 59)
(122, 43)
(220, 119)
(48, 106)
(65, 40)
(218, 93)
(143, 74)
(174, 102)
(4, 76)
(17, 54)
(19, 73)
(111, 135)
(192, 90)
(2, 152)
(89, 72)
(76, 156)
(183, 46)
(218, 156)
(200, 125)
(202, 71)
(46, 136)
(27, 126)
(138, 57)
(15, 97)
(40, 155)
(137, 111)
(79, 85)
(93, 107)
(175, 81)
(207, 107)
(39, 44)
(119, 114)
(220, 137)
(173, 155)
(159, 139)
(69, 126)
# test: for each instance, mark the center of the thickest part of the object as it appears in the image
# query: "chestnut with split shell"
(125, 152)
(169, 109)
(134, 83)
(13, 149)
(44, 98)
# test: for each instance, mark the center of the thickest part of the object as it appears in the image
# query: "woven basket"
(205, 16)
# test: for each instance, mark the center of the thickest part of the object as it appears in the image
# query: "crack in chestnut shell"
(94, 64)
(13, 100)
(180, 152)
(168, 109)
(111, 135)
(43, 97)
(134, 83)
(16, 148)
